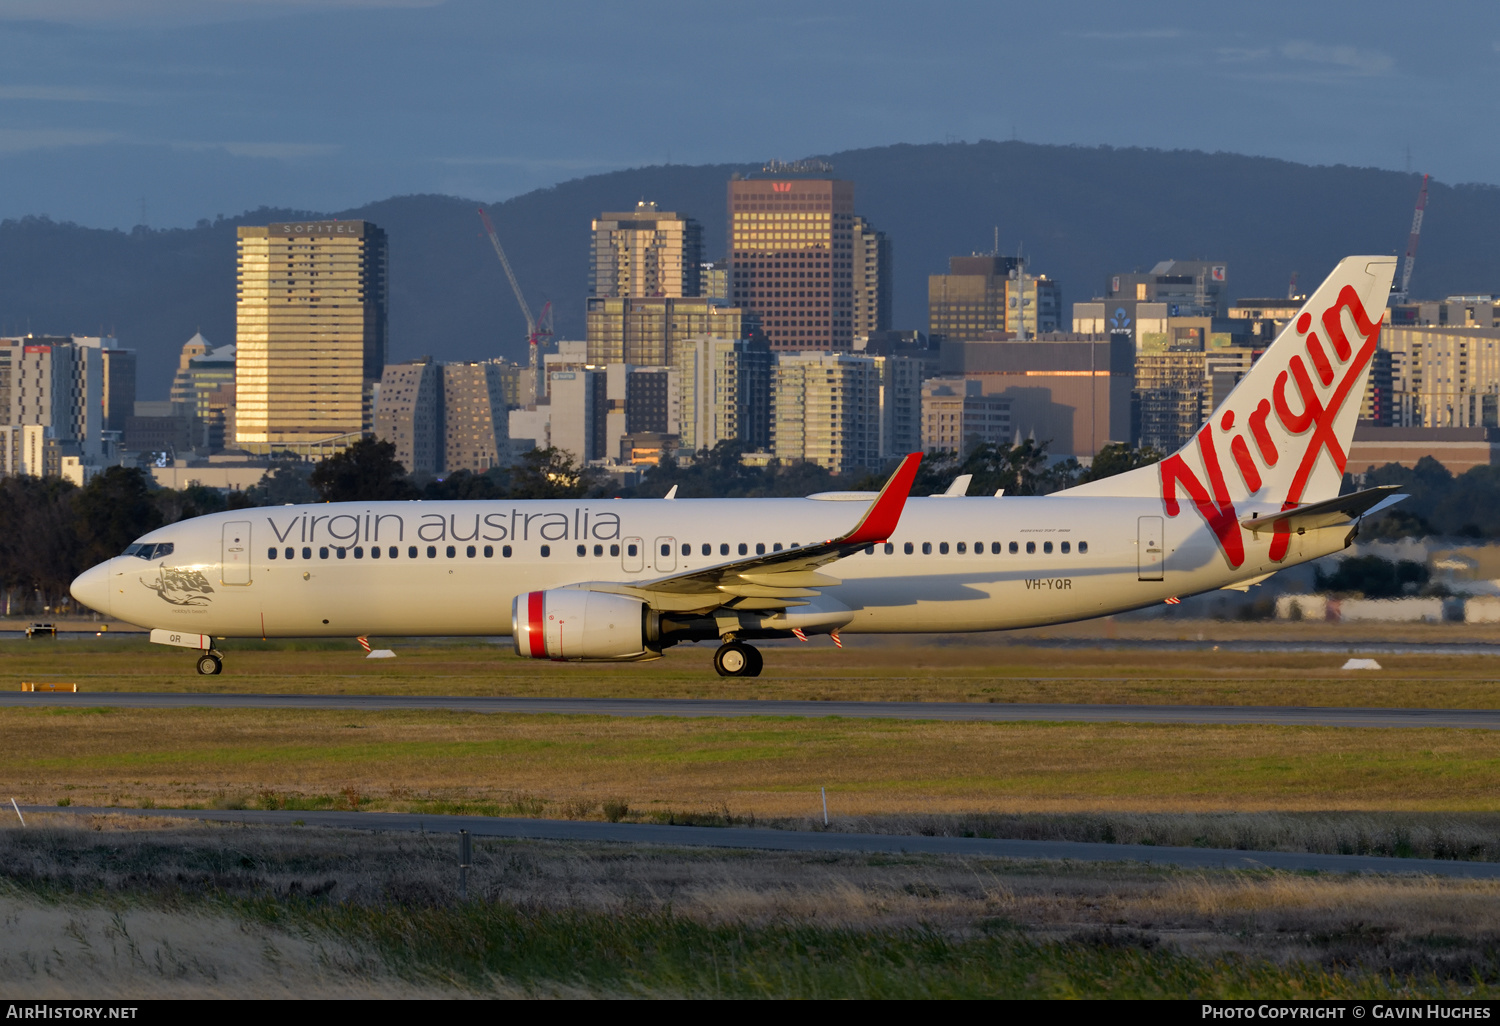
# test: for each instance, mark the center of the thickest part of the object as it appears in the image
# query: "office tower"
(826, 410)
(409, 414)
(957, 415)
(57, 382)
(1073, 393)
(475, 426)
(1189, 288)
(578, 406)
(119, 387)
(646, 253)
(647, 332)
(792, 259)
(981, 295)
(310, 333)
(713, 282)
(726, 393)
(901, 378)
(204, 386)
(871, 284)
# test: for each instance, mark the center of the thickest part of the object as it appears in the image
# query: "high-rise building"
(57, 382)
(119, 387)
(870, 288)
(826, 409)
(647, 332)
(726, 393)
(579, 406)
(646, 253)
(1189, 288)
(409, 414)
(204, 385)
(957, 415)
(714, 281)
(982, 295)
(310, 333)
(475, 424)
(791, 242)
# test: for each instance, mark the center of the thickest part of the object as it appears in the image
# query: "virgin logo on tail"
(1299, 413)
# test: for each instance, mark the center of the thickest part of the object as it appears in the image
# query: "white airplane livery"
(1255, 491)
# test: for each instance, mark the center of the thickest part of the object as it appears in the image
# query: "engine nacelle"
(567, 623)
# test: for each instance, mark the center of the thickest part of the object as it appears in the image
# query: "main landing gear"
(737, 659)
(211, 663)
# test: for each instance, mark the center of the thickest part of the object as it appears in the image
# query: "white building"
(826, 410)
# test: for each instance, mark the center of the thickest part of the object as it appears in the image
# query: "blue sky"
(184, 109)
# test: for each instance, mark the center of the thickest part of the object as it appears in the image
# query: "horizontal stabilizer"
(1329, 513)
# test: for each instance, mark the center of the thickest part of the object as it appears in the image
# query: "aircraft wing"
(776, 580)
(1330, 512)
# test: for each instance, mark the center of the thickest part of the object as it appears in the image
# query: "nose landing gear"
(737, 659)
(211, 663)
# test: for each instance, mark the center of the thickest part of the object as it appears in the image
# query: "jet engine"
(567, 623)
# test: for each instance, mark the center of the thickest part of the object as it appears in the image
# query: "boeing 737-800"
(1255, 490)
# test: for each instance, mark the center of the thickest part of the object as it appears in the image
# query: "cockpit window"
(149, 551)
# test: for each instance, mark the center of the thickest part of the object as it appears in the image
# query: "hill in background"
(1080, 213)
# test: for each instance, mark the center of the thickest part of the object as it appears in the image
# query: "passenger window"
(666, 550)
(271, 553)
(744, 549)
(777, 547)
(394, 552)
(340, 551)
(1030, 548)
(374, 551)
(687, 550)
(724, 549)
(760, 548)
(598, 550)
(1013, 549)
(290, 552)
(359, 552)
(546, 551)
(1083, 547)
(927, 548)
(1065, 548)
(323, 552)
(908, 548)
(614, 550)
(1047, 548)
(583, 550)
(708, 550)
(450, 552)
(432, 552)
(994, 548)
(943, 548)
(306, 552)
(630, 550)
(411, 552)
(869, 550)
(489, 552)
(890, 548)
(469, 552)
(505, 551)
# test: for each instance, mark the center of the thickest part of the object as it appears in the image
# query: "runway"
(799, 840)
(993, 712)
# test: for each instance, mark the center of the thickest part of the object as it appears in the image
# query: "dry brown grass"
(762, 767)
(128, 908)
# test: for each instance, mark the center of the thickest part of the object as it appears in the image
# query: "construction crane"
(537, 331)
(1400, 295)
(1291, 287)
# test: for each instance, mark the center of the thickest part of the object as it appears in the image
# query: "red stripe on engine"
(534, 626)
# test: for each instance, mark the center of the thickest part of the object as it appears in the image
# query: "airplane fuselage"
(454, 568)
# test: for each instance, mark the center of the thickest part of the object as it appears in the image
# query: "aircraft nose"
(92, 588)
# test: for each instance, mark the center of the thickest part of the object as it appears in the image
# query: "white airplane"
(1255, 491)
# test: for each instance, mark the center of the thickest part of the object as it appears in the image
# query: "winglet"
(880, 520)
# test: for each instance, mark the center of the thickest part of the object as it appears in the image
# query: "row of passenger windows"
(962, 548)
(632, 549)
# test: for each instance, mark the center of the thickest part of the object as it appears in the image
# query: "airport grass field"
(728, 923)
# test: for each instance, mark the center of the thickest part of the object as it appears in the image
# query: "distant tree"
(550, 473)
(1374, 577)
(1116, 458)
(367, 471)
(465, 484)
(288, 482)
(40, 552)
(115, 508)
